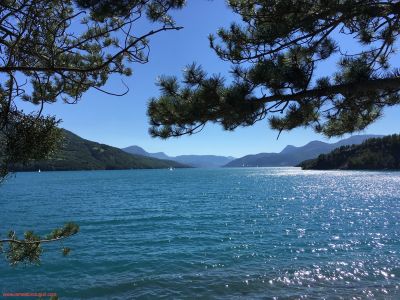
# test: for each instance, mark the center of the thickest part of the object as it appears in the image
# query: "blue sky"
(122, 121)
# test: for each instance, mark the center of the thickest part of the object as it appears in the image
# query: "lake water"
(209, 233)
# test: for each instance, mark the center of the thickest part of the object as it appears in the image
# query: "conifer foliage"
(275, 52)
(56, 50)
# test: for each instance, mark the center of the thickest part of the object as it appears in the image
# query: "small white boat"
(39, 171)
(171, 168)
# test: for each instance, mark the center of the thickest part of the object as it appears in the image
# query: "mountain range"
(292, 156)
(77, 153)
(197, 161)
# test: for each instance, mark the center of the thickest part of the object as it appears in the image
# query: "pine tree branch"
(356, 87)
(8, 69)
(35, 242)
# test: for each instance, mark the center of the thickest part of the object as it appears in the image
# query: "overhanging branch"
(35, 242)
(356, 87)
(8, 69)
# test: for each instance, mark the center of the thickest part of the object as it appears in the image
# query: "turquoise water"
(217, 233)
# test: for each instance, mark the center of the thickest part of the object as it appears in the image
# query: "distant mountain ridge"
(198, 161)
(292, 155)
(77, 153)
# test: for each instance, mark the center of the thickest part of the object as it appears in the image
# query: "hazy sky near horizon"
(122, 121)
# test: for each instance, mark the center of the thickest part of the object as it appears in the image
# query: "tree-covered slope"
(80, 154)
(292, 156)
(373, 154)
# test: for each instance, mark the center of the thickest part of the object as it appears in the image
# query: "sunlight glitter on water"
(226, 233)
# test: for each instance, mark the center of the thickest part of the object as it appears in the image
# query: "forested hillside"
(292, 156)
(77, 153)
(373, 154)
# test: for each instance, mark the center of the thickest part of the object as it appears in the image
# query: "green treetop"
(56, 50)
(275, 52)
